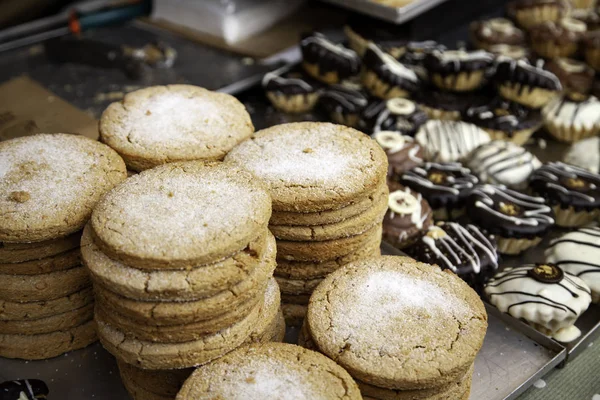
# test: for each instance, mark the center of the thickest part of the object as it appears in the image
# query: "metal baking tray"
(396, 15)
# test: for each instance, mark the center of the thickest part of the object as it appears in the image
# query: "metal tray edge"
(396, 15)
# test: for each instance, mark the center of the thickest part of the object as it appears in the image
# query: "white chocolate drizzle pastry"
(448, 141)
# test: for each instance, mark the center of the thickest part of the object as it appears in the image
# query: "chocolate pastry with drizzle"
(585, 154)
(290, 91)
(458, 70)
(495, 31)
(578, 253)
(465, 250)
(572, 192)
(571, 120)
(384, 77)
(415, 54)
(544, 296)
(445, 186)
(518, 221)
(447, 105)
(505, 120)
(557, 39)
(398, 115)
(326, 61)
(408, 215)
(450, 141)
(26, 389)
(529, 13)
(344, 103)
(503, 163)
(402, 152)
(510, 51)
(576, 77)
(526, 84)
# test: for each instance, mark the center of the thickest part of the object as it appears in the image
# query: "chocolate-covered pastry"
(529, 13)
(591, 49)
(557, 39)
(27, 389)
(408, 215)
(587, 15)
(526, 84)
(344, 103)
(384, 77)
(449, 141)
(458, 70)
(571, 120)
(447, 105)
(514, 52)
(326, 61)
(488, 33)
(505, 120)
(402, 151)
(576, 77)
(465, 250)
(573, 192)
(399, 115)
(290, 91)
(362, 31)
(518, 221)
(445, 186)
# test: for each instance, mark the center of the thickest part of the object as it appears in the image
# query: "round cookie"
(141, 393)
(369, 317)
(407, 216)
(297, 286)
(47, 345)
(59, 322)
(450, 141)
(268, 327)
(22, 252)
(402, 151)
(189, 284)
(160, 382)
(261, 371)
(49, 184)
(60, 262)
(204, 212)
(16, 311)
(161, 124)
(311, 167)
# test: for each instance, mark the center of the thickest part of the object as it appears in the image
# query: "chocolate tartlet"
(576, 77)
(591, 47)
(384, 77)
(491, 32)
(407, 217)
(465, 250)
(458, 70)
(572, 192)
(517, 220)
(505, 120)
(402, 152)
(529, 13)
(289, 91)
(526, 84)
(344, 103)
(447, 105)
(557, 39)
(398, 115)
(571, 120)
(326, 61)
(445, 186)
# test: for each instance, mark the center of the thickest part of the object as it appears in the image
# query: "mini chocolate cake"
(529, 13)
(557, 39)
(488, 33)
(447, 105)
(398, 115)
(344, 103)
(576, 77)
(402, 151)
(445, 186)
(326, 61)
(458, 70)
(290, 91)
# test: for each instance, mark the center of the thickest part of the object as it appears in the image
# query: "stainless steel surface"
(396, 15)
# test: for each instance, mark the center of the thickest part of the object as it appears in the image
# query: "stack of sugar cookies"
(329, 196)
(401, 328)
(49, 184)
(182, 261)
(162, 124)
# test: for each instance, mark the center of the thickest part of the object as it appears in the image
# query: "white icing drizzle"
(393, 142)
(276, 76)
(457, 56)
(585, 154)
(570, 65)
(535, 209)
(454, 185)
(552, 173)
(393, 65)
(502, 162)
(499, 25)
(566, 113)
(507, 51)
(322, 41)
(573, 25)
(400, 106)
(346, 97)
(409, 205)
(447, 141)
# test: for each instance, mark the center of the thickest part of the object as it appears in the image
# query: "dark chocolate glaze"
(575, 76)
(503, 115)
(31, 389)
(317, 49)
(443, 185)
(448, 101)
(567, 186)
(288, 82)
(378, 117)
(465, 250)
(507, 213)
(450, 63)
(379, 62)
(343, 99)
(519, 71)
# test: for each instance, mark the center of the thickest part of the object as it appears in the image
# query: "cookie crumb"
(307, 150)
(19, 197)
(171, 194)
(250, 379)
(148, 112)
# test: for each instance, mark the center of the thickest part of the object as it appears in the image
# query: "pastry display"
(326, 61)
(496, 31)
(510, 51)
(408, 215)
(445, 186)
(397, 115)
(557, 39)
(447, 141)
(464, 250)
(529, 13)
(505, 120)
(289, 91)
(585, 154)
(573, 193)
(403, 152)
(578, 253)
(544, 295)
(576, 77)
(447, 105)
(518, 221)
(526, 84)
(503, 163)
(344, 103)
(572, 120)
(458, 70)
(384, 77)
(591, 47)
